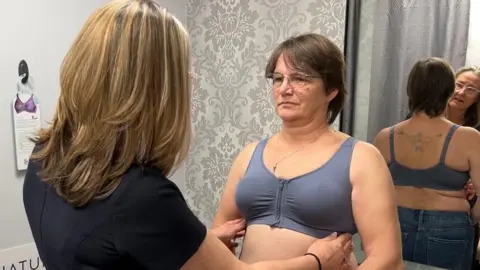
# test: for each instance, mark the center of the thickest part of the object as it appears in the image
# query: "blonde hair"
(473, 113)
(125, 99)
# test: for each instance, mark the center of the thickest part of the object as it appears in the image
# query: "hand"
(470, 191)
(230, 231)
(333, 251)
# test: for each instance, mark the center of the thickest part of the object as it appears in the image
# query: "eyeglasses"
(468, 89)
(296, 80)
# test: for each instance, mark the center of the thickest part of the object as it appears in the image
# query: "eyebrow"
(293, 73)
(468, 85)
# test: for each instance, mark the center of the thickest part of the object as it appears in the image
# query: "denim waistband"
(434, 218)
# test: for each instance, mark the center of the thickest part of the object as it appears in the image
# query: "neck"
(421, 116)
(455, 115)
(301, 134)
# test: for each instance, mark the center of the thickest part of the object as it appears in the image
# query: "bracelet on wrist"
(316, 258)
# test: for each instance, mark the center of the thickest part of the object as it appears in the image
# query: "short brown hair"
(317, 55)
(431, 84)
(124, 100)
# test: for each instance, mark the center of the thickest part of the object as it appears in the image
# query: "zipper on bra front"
(279, 205)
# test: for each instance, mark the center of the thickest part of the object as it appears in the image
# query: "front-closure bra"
(439, 177)
(316, 203)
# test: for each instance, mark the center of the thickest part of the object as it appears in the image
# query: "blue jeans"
(437, 238)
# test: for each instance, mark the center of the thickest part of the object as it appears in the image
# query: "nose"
(460, 90)
(285, 87)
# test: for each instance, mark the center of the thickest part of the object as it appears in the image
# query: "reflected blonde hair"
(472, 115)
(125, 99)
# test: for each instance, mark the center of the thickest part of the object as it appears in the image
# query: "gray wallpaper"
(364, 68)
(232, 105)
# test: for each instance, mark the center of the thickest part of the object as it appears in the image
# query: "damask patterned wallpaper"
(232, 105)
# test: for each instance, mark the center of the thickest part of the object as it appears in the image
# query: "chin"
(456, 105)
(288, 117)
(289, 114)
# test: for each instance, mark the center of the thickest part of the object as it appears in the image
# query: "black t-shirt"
(144, 224)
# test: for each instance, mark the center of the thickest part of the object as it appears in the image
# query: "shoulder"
(469, 135)
(364, 151)
(383, 136)
(468, 131)
(382, 141)
(243, 158)
(367, 161)
(247, 152)
(145, 188)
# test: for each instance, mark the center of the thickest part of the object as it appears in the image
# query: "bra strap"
(391, 142)
(447, 142)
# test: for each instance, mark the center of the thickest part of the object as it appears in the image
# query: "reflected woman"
(430, 160)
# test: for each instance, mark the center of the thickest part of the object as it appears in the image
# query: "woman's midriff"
(429, 199)
(263, 242)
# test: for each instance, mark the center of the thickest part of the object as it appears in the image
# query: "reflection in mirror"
(417, 114)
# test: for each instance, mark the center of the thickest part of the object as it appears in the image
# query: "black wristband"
(316, 258)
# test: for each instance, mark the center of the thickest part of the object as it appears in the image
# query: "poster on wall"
(26, 117)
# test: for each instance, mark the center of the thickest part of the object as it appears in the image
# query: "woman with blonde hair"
(96, 191)
(464, 109)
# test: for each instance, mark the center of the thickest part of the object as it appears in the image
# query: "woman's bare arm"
(472, 137)
(213, 255)
(375, 209)
(228, 210)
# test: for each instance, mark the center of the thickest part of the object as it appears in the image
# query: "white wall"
(473, 49)
(40, 32)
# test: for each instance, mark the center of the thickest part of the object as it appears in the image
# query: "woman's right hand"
(333, 251)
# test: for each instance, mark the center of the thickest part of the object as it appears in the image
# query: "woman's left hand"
(469, 190)
(230, 231)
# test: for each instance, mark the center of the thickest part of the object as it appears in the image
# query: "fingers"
(348, 247)
(240, 234)
(238, 231)
(232, 245)
(236, 221)
(331, 236)
(237, 225)
(344, 238)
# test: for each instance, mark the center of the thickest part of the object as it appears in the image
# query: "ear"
(332, 94)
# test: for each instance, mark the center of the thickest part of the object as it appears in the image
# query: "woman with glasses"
(308, 181)
(430, 160)
(464, 109)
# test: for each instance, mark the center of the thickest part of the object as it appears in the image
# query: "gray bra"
(315, 203)
(440, 176)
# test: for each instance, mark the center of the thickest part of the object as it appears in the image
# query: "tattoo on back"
(419, 141)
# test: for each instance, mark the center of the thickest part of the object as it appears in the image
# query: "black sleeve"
(156, 228)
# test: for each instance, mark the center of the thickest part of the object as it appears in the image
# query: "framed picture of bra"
(26, 120)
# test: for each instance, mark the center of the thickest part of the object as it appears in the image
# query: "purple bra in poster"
(28, 106)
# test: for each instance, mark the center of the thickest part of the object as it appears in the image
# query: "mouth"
(286, 103)
(458, 100)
